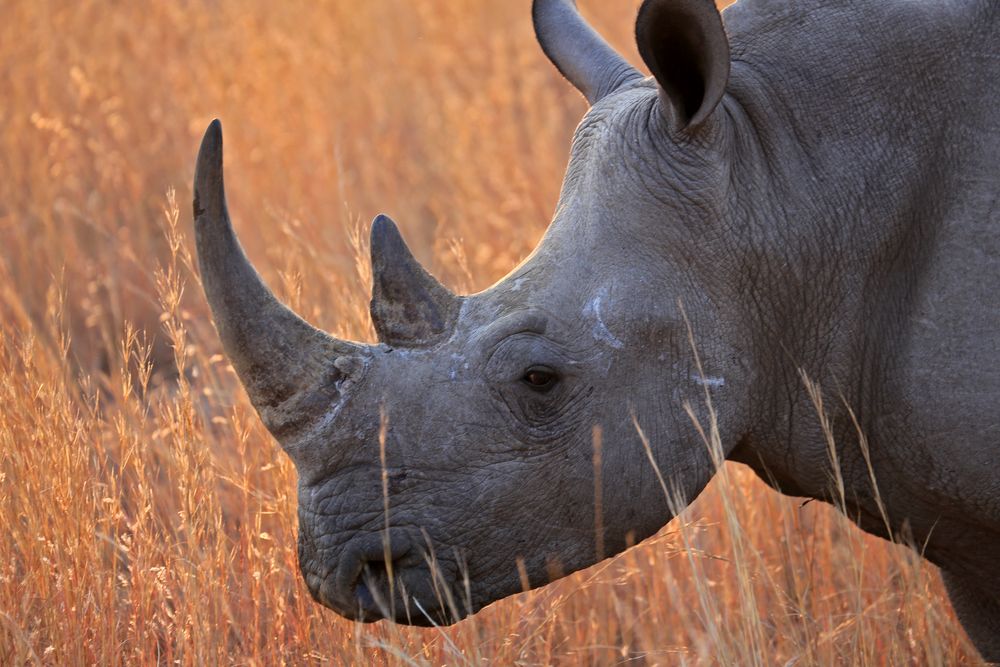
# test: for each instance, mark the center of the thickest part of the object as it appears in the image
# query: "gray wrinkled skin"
(817, 185)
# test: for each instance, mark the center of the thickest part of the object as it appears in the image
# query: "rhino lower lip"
(364, 596)
(407, 610)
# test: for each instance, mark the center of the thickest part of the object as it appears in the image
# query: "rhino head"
(454, 462)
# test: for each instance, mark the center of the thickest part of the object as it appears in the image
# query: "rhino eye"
(539, 378)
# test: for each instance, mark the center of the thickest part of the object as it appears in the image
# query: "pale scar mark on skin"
(708, 381)
(600, 330)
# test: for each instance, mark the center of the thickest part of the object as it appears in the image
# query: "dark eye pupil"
(538, 378)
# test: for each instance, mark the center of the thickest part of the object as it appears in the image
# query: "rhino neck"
(830, 251)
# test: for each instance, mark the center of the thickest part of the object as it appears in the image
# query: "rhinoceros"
(806, 188)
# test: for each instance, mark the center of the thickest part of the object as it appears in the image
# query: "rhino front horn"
(291, 370)
(409, 307)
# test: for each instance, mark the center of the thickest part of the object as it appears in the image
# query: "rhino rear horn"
(292, 371)
(409, 307)
(684, 44)
(577, 51)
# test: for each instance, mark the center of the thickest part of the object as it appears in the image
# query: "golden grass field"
(148, 518)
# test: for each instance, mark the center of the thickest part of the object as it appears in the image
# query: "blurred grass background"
(148, 517)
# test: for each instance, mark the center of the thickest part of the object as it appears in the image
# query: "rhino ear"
(409, 307)
(577, 51)
(684, 44)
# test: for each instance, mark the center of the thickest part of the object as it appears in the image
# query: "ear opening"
(684, 44)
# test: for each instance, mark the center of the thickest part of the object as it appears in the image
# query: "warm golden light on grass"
(147, 516)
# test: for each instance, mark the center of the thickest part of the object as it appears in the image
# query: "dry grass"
(148, 517)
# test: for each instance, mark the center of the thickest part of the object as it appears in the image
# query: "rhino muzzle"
(298, 378)
(377, 577)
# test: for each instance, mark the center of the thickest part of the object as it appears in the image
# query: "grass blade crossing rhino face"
(490, 400)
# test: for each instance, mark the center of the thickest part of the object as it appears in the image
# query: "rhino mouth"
(410, 605)
(375, 580)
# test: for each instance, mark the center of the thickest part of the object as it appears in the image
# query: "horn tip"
(211, 144)
(214, 130)
(208, 171)
(382, 222)
(384, 233)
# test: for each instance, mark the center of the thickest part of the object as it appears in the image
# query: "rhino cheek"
(532, 509)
